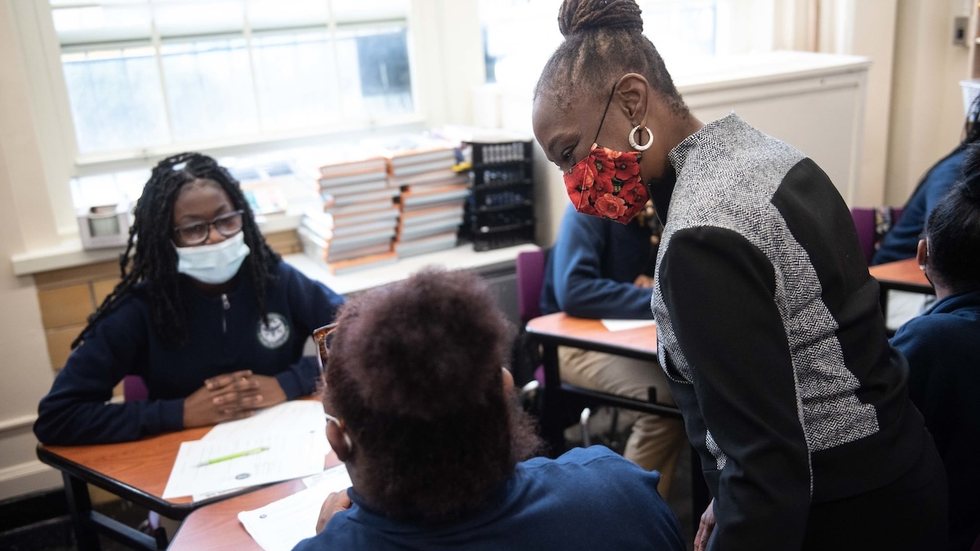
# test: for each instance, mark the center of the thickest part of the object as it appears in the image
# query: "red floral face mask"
(607, 183)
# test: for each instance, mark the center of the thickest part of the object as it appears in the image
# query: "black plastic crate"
(489, 221)
(494, 198)
(504, 238)
(500, 152)
(502, 175)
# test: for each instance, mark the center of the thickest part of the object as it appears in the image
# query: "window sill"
(69, 253)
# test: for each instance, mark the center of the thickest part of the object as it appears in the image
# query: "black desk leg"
(551, 410)
(80, 507)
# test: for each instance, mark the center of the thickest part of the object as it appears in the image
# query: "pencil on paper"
(235, 455)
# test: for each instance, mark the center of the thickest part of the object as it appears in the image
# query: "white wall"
(927, 109)
(25, 221)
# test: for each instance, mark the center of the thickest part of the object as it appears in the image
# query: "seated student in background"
(602, 269)
(901, 240)
(425, 418)
(206, 313)
(943, 351)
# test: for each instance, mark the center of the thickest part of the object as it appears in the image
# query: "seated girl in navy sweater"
(206, 313)
(941, 347)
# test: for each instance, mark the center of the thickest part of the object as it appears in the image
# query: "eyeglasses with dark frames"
(195, 233)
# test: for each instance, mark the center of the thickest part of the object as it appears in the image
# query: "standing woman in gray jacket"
(769, 325)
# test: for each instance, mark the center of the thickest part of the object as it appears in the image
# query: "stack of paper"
(284, 523)
(283, 442)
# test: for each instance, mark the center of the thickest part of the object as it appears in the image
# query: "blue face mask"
(213, 264)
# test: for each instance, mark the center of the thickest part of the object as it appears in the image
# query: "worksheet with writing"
(282, 524)
(242, 453)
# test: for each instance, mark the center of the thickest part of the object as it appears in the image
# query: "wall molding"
(15, 423)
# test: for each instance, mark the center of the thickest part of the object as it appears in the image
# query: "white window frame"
(443, 80)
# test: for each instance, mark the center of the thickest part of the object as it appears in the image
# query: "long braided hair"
(603, 41)
(150, 257)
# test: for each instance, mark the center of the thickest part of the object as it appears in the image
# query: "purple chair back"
(134, 389)
(864, 224)
(871, 224)
(530, 276)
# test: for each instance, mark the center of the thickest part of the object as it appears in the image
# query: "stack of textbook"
(357, 224)
(432, 198)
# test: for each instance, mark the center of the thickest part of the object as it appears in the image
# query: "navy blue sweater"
(586, 499)
(591, 269)
(901, 241)
(944, 363)
(224, 334)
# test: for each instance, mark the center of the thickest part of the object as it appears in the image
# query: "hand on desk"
(231, 396)
(705, 527)
(335, 503)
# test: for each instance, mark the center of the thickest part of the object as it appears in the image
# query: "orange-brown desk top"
(902, 275)
(591, 334)
(137, 471)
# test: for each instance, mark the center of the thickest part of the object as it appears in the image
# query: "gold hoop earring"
(632, 138)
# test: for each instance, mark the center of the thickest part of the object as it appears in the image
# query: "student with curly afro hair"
(425, 418)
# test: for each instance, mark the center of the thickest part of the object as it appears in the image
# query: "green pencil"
(235, 455)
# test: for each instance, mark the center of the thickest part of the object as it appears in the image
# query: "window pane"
(209, 89)
(296, 79)
(374, 72)
(116, 99)
(680, 28)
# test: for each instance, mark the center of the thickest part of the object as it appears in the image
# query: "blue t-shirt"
(944, 383)
(902, 239)
(591, 268)
(587, 499)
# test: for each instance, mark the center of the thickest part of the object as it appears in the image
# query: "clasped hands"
(231, 396)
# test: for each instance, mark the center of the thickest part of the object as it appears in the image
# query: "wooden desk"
(216, 527)
(560, 329)
(901, 275)
(136, 471)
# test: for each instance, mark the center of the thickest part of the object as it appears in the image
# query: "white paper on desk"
(290, 455)
(282, 524)
(622, 325)
(294, 416)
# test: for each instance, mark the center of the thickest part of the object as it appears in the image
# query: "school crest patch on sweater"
(275, 333)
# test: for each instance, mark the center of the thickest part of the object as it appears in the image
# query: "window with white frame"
(519, 35)
(146, 75)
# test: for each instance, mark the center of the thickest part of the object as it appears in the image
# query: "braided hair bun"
(577, 16)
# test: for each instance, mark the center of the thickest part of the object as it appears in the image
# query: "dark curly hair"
(150, 256)
(415, 373)
(953, 230)
(603, 41)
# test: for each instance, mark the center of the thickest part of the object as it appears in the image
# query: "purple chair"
(530, 276)
(134, 389)
(872, 223)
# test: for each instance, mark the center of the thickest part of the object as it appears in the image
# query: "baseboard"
(29, 477)
(32, 508)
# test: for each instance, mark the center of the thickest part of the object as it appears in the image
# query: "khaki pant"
(655, 442)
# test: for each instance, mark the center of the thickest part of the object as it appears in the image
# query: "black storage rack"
(500, 209)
